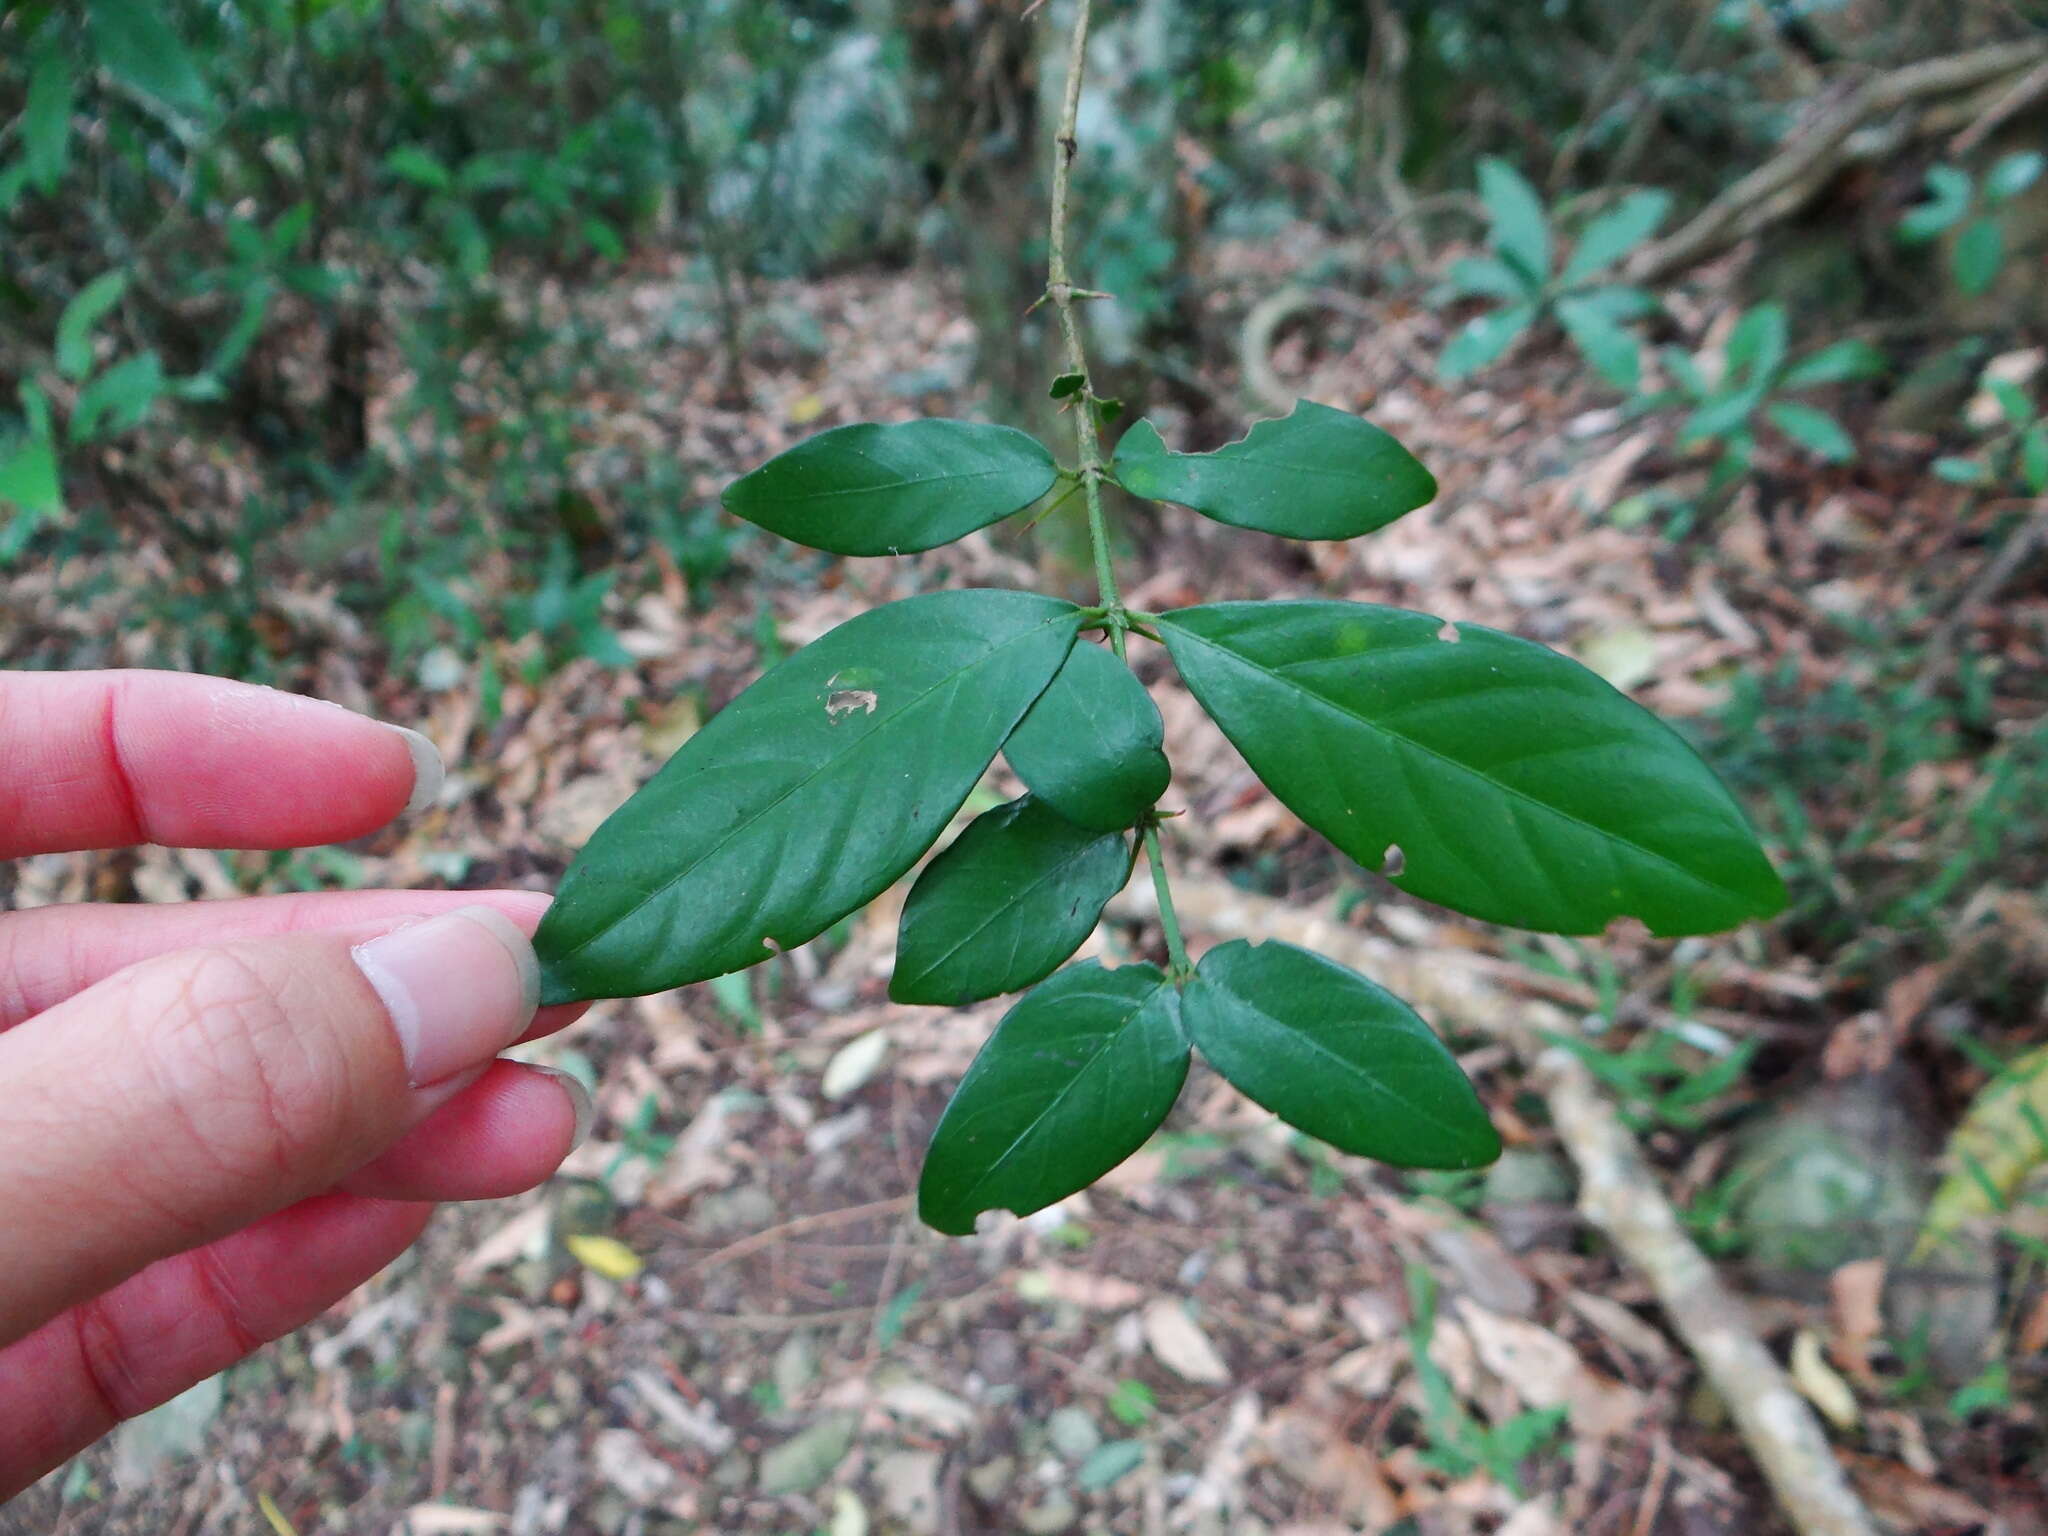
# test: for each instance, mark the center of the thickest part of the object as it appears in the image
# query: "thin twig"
(1064, 296)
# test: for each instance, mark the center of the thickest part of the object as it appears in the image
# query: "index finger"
(107, 759)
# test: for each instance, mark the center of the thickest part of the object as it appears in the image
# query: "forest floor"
(1237, 1331)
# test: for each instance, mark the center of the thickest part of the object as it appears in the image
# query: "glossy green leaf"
(1521, 230)
(137, 45)
(1519, 787)
(88, 307)
(1979, 253)
(1610, 348)
(803, 798)
(1006, 905)
(1949, 194)
(1092, 746)
(1835, 364)
(1075, 1078)
(2013, 175)
(1315, 473)
(1614, 234)
(1483, 339)
(1336, 1056)
(1812, 429)
(874, 489)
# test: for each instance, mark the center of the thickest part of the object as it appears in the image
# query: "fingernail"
(459, 988)
(579, 1099)
(428, 772)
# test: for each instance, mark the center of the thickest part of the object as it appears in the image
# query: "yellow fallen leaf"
(1820, 1382)
(275, 1516)
(606, 1255)
(806, 409)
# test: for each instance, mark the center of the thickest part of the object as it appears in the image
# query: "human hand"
(218, 1119)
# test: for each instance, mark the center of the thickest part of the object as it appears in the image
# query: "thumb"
(195, 1093)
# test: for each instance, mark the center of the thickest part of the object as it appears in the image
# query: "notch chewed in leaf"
(892, 489)
(796, 805)
(1078, 1074)
(1336, 1056)
(1316, 473)
(1521, 787)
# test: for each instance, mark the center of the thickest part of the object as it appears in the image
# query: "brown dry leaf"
(2032, 1336)
(1546, 1372)
(1304, 1441)
(1901, 1497)
(1181, 1345)
(1856, 1295)
(1093, 1293)
(1623, 1327)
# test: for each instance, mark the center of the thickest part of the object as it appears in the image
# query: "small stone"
(1073, 1433)
(989, 1481)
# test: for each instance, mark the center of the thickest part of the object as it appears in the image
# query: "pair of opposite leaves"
(1519, 787)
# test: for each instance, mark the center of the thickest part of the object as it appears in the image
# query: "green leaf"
(870, 489)
(1075, 1078)
(46, 120)
(1091, 747)
(1720, 417)
(2034, 458)
(1068, 384)
(2013, 175)
(2013, 403)
(805, 797)
(1315, 473)
(1979, 253)
(1519, 787)
(1482, 340)
(1959, 471)
(1812, 429)
(87, 308)
(1949, 193)
(1609, 347)
(1614, 234)
(410, 162)
(1336, 1056)
(1014, 897)
(137, 45)
(1835, 364)
(1521, 231)
(1110, 1464)
(1488, 277)
(118, 399)
(28, 477)
(1756, 347)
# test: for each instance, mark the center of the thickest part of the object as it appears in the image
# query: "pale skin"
(219, 1118)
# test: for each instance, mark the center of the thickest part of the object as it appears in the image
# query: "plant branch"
(1060, 289)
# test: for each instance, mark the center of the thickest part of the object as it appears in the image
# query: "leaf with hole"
(805, 797)
(1076, 1077)
(1091, 747)
(876, 489)
(1316, 473)
(1012, 899)
(1520, 787)
(1335, 1055)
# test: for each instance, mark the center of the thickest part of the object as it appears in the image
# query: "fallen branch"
(1618, 1192)
(1813, 155)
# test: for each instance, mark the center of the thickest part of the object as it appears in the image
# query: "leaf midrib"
(892, 485)
(1451, 762)
(684, 873)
